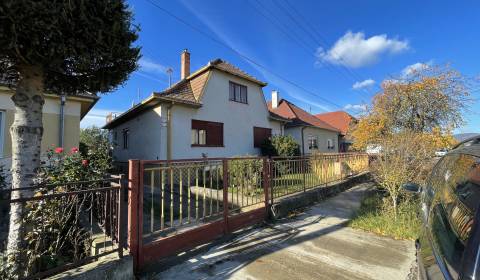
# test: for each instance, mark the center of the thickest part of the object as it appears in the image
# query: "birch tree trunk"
(26, 132)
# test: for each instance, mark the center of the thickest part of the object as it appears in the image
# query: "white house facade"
(217, 111)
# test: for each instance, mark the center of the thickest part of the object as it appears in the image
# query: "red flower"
(74, 150)
(85, 162)
(59, 150)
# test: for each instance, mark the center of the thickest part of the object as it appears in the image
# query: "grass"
(373, 217)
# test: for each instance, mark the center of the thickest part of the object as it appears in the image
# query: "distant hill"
(464, 136)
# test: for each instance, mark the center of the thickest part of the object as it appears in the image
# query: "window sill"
(208, 146)
(245, 103)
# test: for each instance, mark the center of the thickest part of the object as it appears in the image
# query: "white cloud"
(411, 69)
(358, 107)
(354, 50)
(363, 84)
(150, 66)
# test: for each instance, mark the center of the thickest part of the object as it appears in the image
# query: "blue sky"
(336, 52)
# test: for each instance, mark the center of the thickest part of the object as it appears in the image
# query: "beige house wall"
(51, 122)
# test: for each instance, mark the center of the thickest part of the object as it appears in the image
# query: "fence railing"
(298, 174)
(70, 224)
(179, 194)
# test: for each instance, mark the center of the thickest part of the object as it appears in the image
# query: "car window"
(456, 196)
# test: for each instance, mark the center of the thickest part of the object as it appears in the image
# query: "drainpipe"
(61, 132)
(169, 132)
(303, 142)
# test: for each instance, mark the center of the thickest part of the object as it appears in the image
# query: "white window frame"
(330, 144)
(2, 131)
(199, 137)
(312, 139)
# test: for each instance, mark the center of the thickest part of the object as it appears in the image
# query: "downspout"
(61, 132)
(169, 132)
(303, 142)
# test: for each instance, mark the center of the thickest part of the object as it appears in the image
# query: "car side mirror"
(411, 188)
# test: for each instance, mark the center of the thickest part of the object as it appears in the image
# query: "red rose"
(85, 162)
(59, 150)
(74, 150)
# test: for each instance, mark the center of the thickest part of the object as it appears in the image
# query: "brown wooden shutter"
(215, 134)
(260, 134)
(214, 131)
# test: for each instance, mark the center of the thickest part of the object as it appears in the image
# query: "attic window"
(238, 93)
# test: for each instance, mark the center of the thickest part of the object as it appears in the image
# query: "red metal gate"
(177, 205)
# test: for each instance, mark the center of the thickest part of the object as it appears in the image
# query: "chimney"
(185, 69)
(275, 99)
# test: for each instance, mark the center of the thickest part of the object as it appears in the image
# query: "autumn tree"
(430, 100)
(410, 119)
(59, 47)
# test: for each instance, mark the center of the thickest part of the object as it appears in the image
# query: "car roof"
(469, 146)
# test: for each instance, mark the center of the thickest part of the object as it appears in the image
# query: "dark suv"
(448, 247)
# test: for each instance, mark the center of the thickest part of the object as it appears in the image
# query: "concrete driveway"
(315, 244)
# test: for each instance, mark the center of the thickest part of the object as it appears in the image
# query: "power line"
(280, 26)
(319, 40)
(199, 30)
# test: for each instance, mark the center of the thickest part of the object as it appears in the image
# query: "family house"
(61, 121)
(216, 111)
(342, 121)
(313, 134)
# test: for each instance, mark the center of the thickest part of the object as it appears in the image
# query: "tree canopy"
(80, 46)
(430, 101)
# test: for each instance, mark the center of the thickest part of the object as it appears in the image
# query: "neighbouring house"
(312, 134)
(216, 111)
(61, 121)
(342, 121)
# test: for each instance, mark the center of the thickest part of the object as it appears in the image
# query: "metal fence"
(70, 224)
(183, 193)
(298, 174)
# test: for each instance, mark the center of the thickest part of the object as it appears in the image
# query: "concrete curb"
(285, 205)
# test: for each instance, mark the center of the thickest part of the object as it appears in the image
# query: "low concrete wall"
(108, 267)
(285, 205)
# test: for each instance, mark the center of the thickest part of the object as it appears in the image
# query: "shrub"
(95, 145)
(280, 145)
(245, 173)
(57, 232)
(376, 215)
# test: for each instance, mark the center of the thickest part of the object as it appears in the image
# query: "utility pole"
(169, 73)
(138, 95)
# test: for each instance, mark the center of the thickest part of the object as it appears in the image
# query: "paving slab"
(315, 244)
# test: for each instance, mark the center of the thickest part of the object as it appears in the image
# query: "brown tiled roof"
(298, 116)
(188, 91)
(231, 69)
(339, 119)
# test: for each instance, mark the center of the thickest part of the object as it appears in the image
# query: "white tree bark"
(26, 132)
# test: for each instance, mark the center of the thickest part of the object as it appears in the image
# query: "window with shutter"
(208, 134)
(260, 134)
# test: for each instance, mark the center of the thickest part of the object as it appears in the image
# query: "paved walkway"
(315, 244)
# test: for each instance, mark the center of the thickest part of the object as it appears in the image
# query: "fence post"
(121, 216)
(134, 214)
(225, 195)
(266, 181)
(303, 168)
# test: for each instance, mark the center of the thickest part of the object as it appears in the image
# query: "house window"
(238, 93)
(330, 144)
(2, 132)
(207, 134)
(126, 139)
(199, 137)
(312, 142)
(260, 134)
